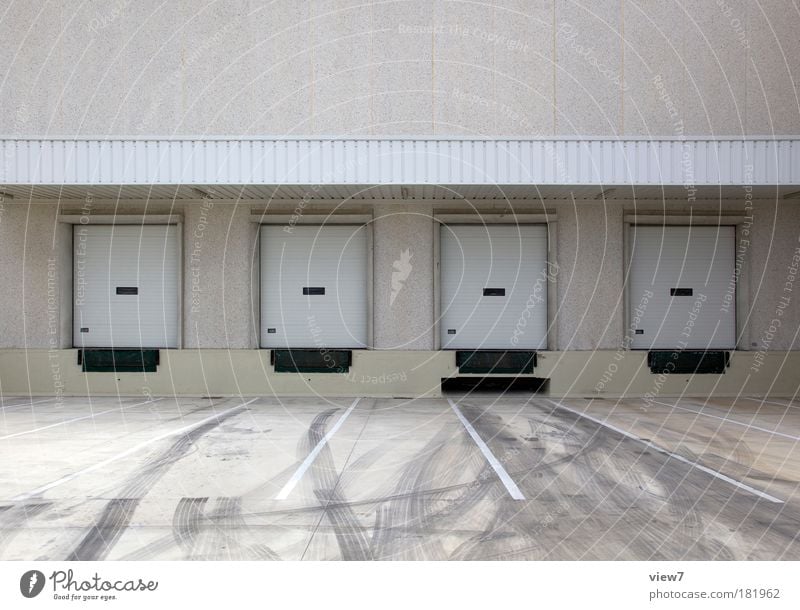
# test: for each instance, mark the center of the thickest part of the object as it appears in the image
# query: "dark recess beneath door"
(495, 384)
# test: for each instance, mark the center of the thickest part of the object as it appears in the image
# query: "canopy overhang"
(401, 167)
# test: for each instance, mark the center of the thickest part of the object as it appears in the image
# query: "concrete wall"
(220, 273)
(219, 246)
(404, 308)
(590, 308)
(220, 242)
(35, 275)
(513, 67)
(774, 285)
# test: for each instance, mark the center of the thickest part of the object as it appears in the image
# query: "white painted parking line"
(730, 421)
(506, 479)
(675, 456)
(119, 409)
(295, 479)
(764, 401)
(29, 404)
(127, 452)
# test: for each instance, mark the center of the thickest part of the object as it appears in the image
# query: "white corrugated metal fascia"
(345, 161)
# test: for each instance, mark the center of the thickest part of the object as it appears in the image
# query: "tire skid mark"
(686, 535)
(409, 510)
(354, 545)
(624, 482)
(580, 489)
(263, 552)
(189, 528)
(665, 512)
(490, 539)
(423, 511)
(236, 522)
(495, 534)
(106, 531)
(623, 488)
(228, 523)
(729, 509)
(352, 474)
(186, 524)
(14, 517)
(714, 550)
(397, 516)
(108, 489)
(686, 523)
(323, 470)
(501, 515)
(350, 535)
(104, 534)
(225, 518)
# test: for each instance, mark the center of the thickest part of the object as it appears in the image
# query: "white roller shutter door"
(493, 286)
(314, 286)
(126, 286)
(681, 294)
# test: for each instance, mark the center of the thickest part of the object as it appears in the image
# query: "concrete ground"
(470, 477)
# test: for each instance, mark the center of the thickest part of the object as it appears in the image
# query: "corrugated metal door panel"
(109, 263)
(331, 257)
(493, 286)
(688, 271)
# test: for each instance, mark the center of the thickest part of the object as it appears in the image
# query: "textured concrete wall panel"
(555, 67)
(403, 277)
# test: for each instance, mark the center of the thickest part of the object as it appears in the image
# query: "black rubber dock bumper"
(313, 360)
(688, 362)
(100, 360)
(496, 362)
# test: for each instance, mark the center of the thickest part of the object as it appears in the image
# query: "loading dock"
(493, 286)
(314, 286)
(679, 280)
(126, 286)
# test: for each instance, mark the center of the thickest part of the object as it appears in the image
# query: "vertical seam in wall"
(434, 281)
(433, 70)
(622, 68)
(555, 122)
(370, 229)
(181, 279)
(372, 69)
(311, 91)
(747, 60)
(493, 30)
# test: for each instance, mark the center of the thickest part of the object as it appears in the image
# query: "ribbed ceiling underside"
(387, 192)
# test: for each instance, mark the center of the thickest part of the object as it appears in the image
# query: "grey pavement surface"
(97, 478)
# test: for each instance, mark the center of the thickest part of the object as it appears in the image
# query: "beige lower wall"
(386, 373)
(225, 372)
(626, 374)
